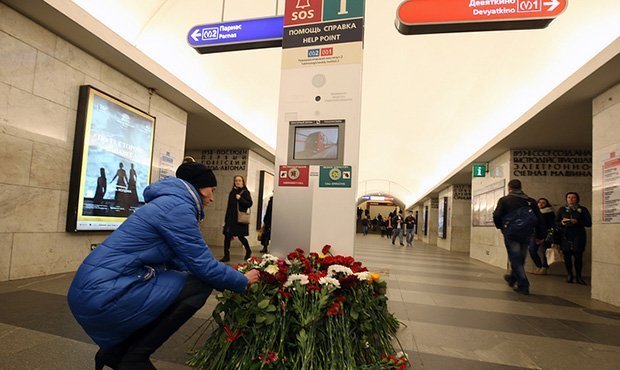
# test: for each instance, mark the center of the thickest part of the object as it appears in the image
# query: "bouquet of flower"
(306, 312)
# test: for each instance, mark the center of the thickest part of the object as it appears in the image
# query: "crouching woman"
(152, 274)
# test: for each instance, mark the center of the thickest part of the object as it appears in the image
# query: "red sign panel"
(432, 16)
(303, 12)
(293, 175)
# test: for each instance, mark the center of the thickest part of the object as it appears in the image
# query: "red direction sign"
(433, 16)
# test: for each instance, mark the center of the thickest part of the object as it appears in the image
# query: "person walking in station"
(239, 200)
(410, 224)
(398, 225)
(152, 274)
(519, 219)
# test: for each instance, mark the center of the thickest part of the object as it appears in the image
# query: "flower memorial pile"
(306, 312)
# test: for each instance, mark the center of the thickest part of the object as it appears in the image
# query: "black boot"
(226, 258)
(580, 280)
(144, 342)
(109, 357)
(144, 364)
(569, 279)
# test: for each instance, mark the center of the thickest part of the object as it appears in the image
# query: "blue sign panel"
(239, 35)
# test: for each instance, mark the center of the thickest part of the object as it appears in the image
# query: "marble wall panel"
(26, 209)
(17, 65)
(124, 84)
(78, 59)
(160, 105)
(608, 99)
(62, 211)
(57, 81)
(4, 103)
(39, 254)
(26, 30)
(51, 167)
(6, 246)
(37, 119)
(169, 132)
(605, 285)
(15, 156)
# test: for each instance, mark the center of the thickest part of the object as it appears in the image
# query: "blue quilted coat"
(140, 269)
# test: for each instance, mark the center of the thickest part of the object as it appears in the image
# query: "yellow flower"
(272, 269)
(374, 277)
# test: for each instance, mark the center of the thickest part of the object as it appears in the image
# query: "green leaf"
(271, 308)
(263, 304)
(354, 314)
(269, 318)
(260, 319)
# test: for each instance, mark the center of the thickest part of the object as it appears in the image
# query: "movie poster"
(116, 162)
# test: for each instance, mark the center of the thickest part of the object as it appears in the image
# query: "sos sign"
(302, 12)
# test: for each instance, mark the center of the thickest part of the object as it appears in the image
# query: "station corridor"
(459, 314)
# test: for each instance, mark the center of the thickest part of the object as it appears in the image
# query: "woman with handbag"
(572, 220)
(236, 221)
(546, 211)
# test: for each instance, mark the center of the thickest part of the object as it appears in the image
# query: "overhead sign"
(293, 175)
(335, 177)
(238, 35)
(377, 198)
(432, 16)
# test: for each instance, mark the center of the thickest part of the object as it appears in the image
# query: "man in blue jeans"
(517, 245)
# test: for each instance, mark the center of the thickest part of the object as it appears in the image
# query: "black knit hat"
(197, 174)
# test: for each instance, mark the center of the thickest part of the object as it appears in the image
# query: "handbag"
(243, 217)
(554, 254)
(259, 235)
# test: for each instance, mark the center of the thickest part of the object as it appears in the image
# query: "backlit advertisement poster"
(111, 162)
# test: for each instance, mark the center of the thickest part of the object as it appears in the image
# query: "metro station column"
(317, 151)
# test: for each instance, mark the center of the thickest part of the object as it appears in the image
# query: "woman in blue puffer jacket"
(152, 274)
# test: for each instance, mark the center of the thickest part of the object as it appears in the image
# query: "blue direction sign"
(240, 35)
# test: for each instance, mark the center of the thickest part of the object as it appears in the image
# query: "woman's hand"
(252, 276)
(237, 196)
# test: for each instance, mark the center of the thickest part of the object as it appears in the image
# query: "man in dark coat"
(517, 246)
(267, 226)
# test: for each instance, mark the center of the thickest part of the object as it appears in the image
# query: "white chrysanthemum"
(303, 280)
(288, 262)
(334, 269)
(402, 354)
(241, 269)
(362, 276)
(268, 259)
(272, 269)
(326, 280)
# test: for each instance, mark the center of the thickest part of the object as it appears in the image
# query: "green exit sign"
(480, 170)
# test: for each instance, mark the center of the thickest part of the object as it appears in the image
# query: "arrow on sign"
(196, 33)
(553, 4)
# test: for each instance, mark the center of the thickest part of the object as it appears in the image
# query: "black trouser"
(242, 239)
(145, 341)
(568, 262)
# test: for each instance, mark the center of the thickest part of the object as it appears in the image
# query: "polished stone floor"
(459, 314)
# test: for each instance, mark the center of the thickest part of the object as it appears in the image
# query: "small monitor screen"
(316, 142)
